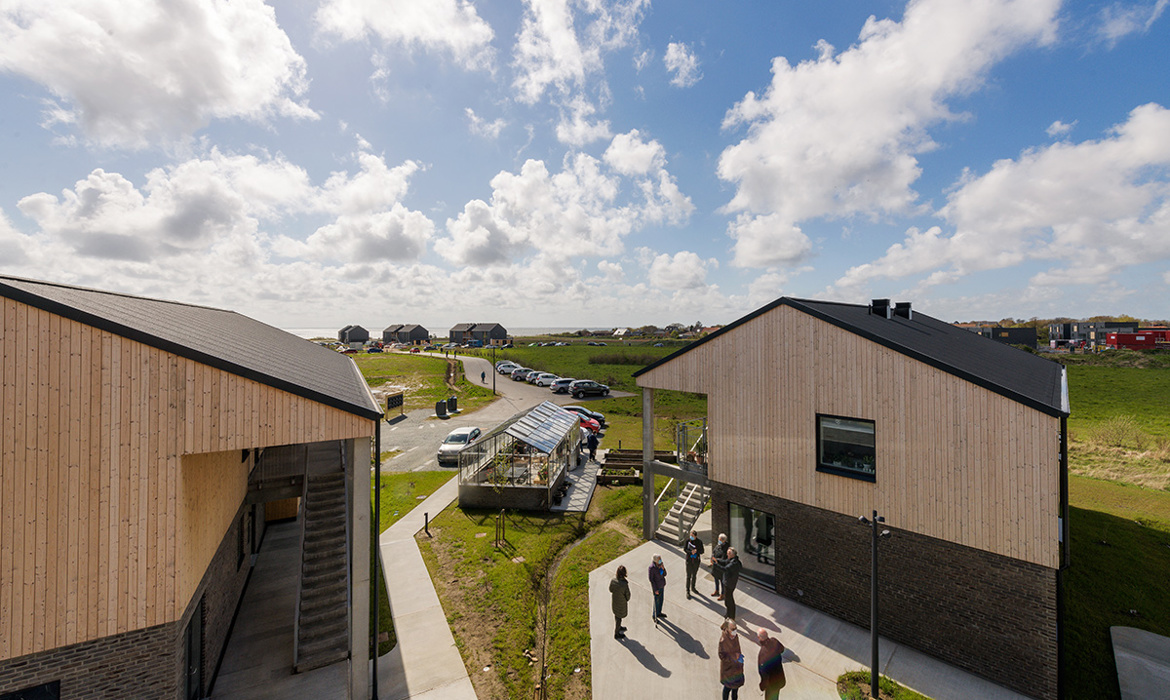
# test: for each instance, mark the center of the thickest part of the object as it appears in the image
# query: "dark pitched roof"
(410, 327)
(1011, 372)
(222, 339)
(486, 327)
(462, 327)
(393, 328)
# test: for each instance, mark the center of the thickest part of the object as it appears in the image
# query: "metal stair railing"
(682, 512)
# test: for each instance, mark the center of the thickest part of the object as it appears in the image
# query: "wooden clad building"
(132, 436)
(820, 412)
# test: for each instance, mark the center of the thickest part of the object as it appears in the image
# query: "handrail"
(664, 488)
(689, 525)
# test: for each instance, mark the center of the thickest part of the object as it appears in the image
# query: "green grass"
(476, 579)
(1119, 561)
(423, 379)
(855, 685)
(400, 494)
(1098, 393)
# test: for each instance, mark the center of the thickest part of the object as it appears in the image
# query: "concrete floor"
(258, 663)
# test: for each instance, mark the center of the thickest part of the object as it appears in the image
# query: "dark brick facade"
(145, 663)
(983, 612)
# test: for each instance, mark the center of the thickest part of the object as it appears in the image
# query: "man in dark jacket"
(619, 590)
(693, 550)
(718, 553)
(730, 568)
(771, 665)
(657, 573)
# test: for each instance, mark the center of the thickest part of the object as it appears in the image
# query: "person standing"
(693, 549)
(591, 443)
(771, 665)
(730, 661)
(730, 567)
(658, 585)
(718, 553)
(483, 378)
(619, 591)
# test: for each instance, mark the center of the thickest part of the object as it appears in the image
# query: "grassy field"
(400, 494)
(492, 595)
(424, 379)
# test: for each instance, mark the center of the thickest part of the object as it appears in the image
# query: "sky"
(589, 163)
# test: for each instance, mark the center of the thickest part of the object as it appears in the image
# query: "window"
(845, 446)
(752, 533)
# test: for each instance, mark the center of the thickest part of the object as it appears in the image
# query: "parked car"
(581, 410)
(348, 351)
(587, 387)
(561, 386)
(430, 348)
(545, 379)
(454, 443)
(374, 348)
(520, 374)
(507, 368)
(506, 346)
(531, 378)
(589, 423)
(659, 345)
(414, 349)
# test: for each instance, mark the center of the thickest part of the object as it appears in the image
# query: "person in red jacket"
(771, 665)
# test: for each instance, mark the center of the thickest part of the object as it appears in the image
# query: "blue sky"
(589, 163)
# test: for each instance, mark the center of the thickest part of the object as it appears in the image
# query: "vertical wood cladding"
(955, 461)
(986, 613)
(93, 432)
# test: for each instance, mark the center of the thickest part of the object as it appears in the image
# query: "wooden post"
(649, 511)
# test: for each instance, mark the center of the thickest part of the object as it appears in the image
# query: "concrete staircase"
(323, 612)
(682, 516)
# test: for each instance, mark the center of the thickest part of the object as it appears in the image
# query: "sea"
(332, 332)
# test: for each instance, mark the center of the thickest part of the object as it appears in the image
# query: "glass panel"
(753, 537)
(847, 444)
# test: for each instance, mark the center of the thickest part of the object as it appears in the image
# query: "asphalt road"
(417, 434)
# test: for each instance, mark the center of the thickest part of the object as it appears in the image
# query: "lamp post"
(873, 599)
(494, 372)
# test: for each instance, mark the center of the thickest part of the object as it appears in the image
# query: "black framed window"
(846, 446)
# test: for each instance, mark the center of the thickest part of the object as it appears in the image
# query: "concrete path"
(1143, 663)
(659, 660)
(425, 663)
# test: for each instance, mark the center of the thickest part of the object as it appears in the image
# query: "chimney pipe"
(880, 307)
(902, 308)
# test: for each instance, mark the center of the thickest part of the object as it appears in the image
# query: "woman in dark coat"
(730, 661)
(619, 591)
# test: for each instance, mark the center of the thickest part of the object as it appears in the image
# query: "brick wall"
(146, 663)
(983, 612)
(138, 664)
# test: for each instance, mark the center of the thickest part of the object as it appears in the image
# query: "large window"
(845, 446)
(753, 533)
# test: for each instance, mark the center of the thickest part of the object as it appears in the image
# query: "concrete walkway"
(425, 663)
(681, 652)
(1143, 663)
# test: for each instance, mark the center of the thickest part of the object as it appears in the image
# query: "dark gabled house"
(1011, 336)
(390, 333)
(460, 333)
(821, 412)
(413, 334)
(141, 441)
(353, 334)
(489, 333)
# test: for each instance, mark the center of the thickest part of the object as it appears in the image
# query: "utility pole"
(873, 600)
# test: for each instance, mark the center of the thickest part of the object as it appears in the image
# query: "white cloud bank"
(1119, 20)
(130, 73)
(680, 60)
(451, 26)
(1094, 208)
(838, 136)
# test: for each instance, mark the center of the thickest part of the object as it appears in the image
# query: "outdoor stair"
(323, 606)
(677, 524)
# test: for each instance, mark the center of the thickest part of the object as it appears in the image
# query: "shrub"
(1118, 431)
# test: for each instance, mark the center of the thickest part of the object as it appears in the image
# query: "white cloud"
(581, 211)
(1095, 207)
(839, 135)
(683, 270)
(555, 49)
(613, 272)
(394, 234)
(1059, 128)
(374, 187)
(131, 72)
(767, 240)
(451, 26)
(630, 155)
(575, 127)
(481, 127)
(680, 59)
(1120, 20)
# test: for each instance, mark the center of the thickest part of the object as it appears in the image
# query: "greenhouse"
(521, 463)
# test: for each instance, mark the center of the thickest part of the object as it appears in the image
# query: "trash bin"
(452, 404)
(441, 409)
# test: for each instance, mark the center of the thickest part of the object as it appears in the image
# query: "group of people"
(726, 567)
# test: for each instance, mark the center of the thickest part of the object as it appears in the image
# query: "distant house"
(413, 334)
(390, 333)
(353, 334)
(1011, 336)
(1086, 333)
(958, 442)
(142, 443)
(489, 333)
(621, 332)
(1146, 339)
(460, 333)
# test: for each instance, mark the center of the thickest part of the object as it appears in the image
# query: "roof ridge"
(124, 295)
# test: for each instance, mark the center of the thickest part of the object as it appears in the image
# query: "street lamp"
(494, 372)
(873, 599)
